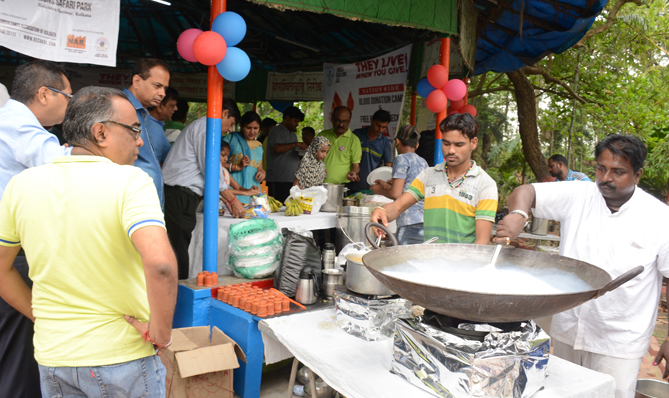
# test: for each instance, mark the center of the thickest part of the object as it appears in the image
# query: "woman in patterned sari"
(246, 154)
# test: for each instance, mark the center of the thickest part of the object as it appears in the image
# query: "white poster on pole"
(367, 86)
(62, 30)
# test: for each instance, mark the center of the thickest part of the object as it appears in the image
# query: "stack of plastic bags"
(255, 248)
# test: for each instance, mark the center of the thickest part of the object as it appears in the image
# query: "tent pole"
(445, 53)
(412, 118)
(212, 158)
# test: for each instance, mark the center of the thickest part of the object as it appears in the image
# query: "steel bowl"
(650, 388)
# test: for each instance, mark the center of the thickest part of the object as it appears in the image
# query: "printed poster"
(367, 86)
(297, 86)
(84, 32)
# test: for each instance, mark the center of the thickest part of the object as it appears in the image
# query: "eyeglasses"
(68, 96)
(135, 130)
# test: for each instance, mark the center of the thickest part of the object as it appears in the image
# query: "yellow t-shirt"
(74, 219)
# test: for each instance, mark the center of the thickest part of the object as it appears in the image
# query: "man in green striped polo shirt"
(460, 198)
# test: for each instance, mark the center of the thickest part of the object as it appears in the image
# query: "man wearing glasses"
(105, 276)
(343, 159)
(40, 94)
(150, 77)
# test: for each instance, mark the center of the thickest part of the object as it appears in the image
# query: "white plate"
(384, 173)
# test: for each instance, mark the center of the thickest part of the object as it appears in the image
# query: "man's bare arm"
(160, 270)
(483, 231)
(12, 287)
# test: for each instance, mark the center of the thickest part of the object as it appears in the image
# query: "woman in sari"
(246, 154)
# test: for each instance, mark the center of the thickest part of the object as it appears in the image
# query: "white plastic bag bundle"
(311, 199)
(255, 248)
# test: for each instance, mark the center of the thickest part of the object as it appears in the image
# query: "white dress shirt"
(620, 323)
(184, 165)
(24, 142)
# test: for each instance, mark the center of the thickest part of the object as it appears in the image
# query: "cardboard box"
(199, 364)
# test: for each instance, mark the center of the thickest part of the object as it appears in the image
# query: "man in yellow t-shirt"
(104, 275)
(343, 159)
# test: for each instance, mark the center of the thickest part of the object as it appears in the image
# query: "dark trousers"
(279, 190)
(180, 205)
(19, 373)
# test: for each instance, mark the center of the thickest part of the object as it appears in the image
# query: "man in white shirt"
(183, 173)
(40, 94)
(616, 226)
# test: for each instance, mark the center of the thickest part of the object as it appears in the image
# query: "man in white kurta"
(616, 226)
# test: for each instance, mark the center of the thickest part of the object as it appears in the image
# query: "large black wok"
(482, 306)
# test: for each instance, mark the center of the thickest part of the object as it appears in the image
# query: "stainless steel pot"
(360, 280)
(331, 278)
(649, 388)
(539, 226)
(335, 198)
(479, 305)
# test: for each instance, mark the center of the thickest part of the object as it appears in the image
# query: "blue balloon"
(231, 26)
(423, 88)
(235, 66)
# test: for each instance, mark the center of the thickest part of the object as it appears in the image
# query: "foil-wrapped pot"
(369, 319)
(504, 364)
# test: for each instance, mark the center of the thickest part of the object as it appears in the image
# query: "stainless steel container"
(649, 388)
(331, 278)
(351, 226)
(360, 280)
(306, 287)
(328, 256)
(539, 226)
(335, 198)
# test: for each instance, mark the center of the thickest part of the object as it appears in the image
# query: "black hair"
(250, 117)
(233, 110)
(559, 158)
(293, 112)
(182, 110)
(382, 116)
(268, 122)
(170, 94)
(626, 146)
(143, 67)
(30, 76)
(309, 130)
(224, 145)
(411, 142)
(462, 122)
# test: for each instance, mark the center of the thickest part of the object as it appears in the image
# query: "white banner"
(62, 30)
(367, 86)
(297, 86)
(190, 86)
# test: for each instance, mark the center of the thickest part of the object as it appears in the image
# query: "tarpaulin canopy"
(515, 33)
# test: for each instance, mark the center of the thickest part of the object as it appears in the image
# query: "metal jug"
(306, 287)
(335, 198)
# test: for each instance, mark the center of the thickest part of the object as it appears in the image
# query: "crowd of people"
(112, 211)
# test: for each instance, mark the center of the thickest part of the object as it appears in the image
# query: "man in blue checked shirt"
(559, 168)
(150, 77)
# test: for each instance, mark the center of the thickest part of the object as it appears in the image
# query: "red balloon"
(436, 101)
(469, 109)
(455, 89)
(450, 110)
(457, 105)
(209, 48)
(437, 75)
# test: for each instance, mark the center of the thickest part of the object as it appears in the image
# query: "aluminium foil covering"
(506, 364)
(369, 319)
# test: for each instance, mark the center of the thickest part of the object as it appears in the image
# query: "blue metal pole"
(212, 166)
(438, 153)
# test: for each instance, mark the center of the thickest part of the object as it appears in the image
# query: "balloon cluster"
(437, 90)
(215, 47)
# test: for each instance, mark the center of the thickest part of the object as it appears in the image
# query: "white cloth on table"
(624, 371)
(309, 222)
(621, 322)
(361, 369)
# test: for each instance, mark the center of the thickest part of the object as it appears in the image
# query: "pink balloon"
(457, 105)
(437, 75)
(469, 109)
(455, 89)
(436, 101)
(185, 44)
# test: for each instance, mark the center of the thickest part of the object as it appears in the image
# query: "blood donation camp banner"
(297, 86)
(62, 30)
(367, 86)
